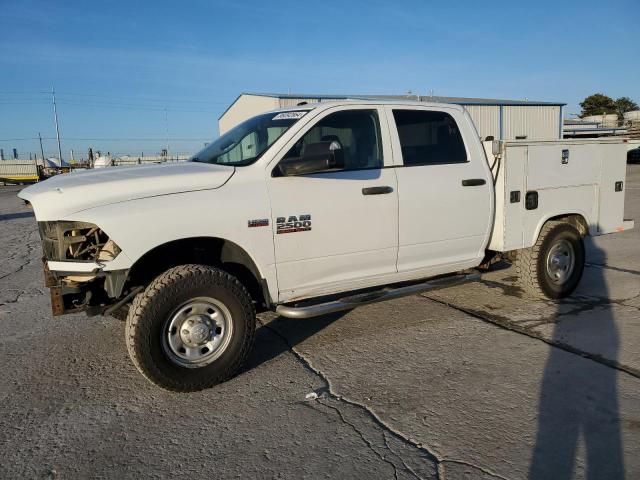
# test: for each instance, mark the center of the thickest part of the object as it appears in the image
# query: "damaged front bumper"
(84, 269)
(93, 292)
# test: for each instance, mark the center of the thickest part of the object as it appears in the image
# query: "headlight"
(65, 241)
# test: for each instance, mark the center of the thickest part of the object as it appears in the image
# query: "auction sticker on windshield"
(290, 115)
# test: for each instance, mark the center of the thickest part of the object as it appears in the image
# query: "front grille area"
(65, 241)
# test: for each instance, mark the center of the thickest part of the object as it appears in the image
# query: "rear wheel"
(553, 267)
(191, 328)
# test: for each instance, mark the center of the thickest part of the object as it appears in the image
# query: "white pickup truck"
(312, 210)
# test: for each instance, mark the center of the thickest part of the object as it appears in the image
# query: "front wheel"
(553, 267)
(191, 328)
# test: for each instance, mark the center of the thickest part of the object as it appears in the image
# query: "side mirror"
(317, 157)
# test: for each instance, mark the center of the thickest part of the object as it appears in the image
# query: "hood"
(68, 193)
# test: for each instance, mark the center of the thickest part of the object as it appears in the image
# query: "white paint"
(585, 186)
(428, 225)
(353, 236)
(442, 222)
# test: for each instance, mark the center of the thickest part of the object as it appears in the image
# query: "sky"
(129, 74)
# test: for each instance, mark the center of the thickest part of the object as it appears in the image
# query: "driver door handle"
(376, 190)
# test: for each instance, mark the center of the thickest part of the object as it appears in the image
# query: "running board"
(387, 293)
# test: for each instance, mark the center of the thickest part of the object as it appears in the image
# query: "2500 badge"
(292, 224)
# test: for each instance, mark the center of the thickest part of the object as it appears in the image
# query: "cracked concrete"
(339, 398)
(476, 381)
(476, 406)
(569, 324)
(408, 442)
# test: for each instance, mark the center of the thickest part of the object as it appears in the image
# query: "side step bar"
(387, 293)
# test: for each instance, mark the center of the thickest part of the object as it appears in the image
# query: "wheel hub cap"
(560, 262)
(197, 332)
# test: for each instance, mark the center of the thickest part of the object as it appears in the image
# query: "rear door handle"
(376, 190)
(473, 182)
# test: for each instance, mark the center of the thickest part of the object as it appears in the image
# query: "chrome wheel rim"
(197, 332)
(561, 262)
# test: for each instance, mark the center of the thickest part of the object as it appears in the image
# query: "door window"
(242, 151)
(356, 131)
(428, 138)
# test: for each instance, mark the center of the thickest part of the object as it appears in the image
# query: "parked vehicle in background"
(31, 171)
(633, 156)
(312, 210)
(19, 171)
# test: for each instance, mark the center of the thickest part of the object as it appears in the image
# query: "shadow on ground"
(578, 402)
(271, 343)
(14, 216)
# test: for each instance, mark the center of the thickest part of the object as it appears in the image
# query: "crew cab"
(310, 210)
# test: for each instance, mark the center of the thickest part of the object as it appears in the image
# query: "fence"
(25, 171)
(127, 160)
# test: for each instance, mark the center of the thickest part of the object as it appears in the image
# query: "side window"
(429, 137)
(357, 132)
(243, 150)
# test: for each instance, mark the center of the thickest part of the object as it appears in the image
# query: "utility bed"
(538, 180)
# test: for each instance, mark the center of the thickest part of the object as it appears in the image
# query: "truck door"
(445, 190)
(337, 228)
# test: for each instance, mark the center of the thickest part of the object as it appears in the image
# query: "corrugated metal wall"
(292, 102)
(533, 122)
(18, 170)
(245, 107)
(486, 118)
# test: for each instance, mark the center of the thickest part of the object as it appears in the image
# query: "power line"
(144, 98)
(149, 108)
(141, 107)
(24, 102)
(18, 139)
(101, 101)
(89, 101)
(109, 139)
(179, 139)
(124, 98)
(24, 93)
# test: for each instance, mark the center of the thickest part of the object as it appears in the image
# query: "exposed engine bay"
(67, 241)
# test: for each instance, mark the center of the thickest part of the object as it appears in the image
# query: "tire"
(174, 324)
(553, 267)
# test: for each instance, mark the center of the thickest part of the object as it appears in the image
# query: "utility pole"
(41, 149)
(55, 116)
(166, 126)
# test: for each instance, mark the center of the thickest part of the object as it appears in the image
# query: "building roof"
(424, 98)
(420, 98)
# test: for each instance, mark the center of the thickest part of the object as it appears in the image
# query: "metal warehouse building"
(503, 119)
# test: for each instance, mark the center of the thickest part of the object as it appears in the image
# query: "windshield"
(245, 143)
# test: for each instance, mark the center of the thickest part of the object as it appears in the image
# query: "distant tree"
(624, 105)
(598, 104)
